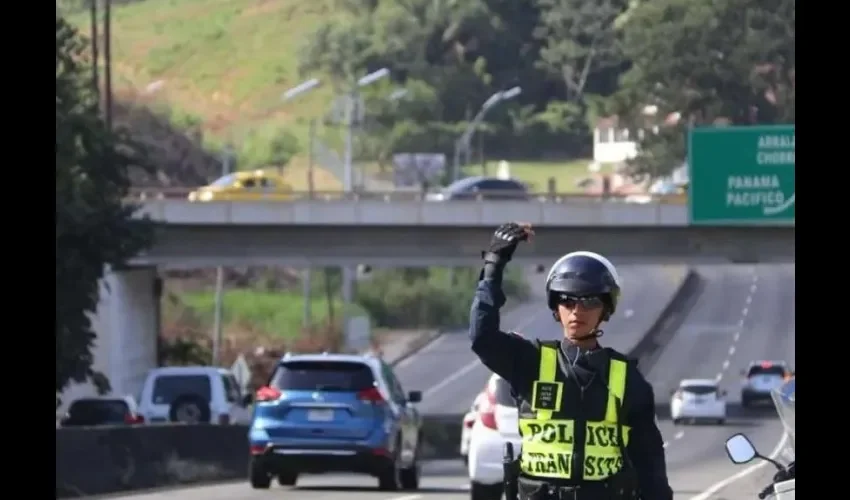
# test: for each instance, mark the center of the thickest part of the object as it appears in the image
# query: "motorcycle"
(741, 450)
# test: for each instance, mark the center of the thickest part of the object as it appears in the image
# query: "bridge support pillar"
(127, 325)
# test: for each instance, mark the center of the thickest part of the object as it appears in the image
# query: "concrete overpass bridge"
(386, 232)
(415, 233)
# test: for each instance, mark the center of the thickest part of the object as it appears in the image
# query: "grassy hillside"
(223, 64)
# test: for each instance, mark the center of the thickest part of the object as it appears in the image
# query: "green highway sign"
(741, 175)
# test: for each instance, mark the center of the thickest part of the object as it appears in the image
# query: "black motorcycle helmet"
(581, 274)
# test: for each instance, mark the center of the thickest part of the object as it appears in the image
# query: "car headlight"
(205, 196)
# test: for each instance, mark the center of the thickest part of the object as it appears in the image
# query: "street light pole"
(307, 277)
(352, 101)
(465, 139)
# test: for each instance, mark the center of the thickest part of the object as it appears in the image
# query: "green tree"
(94, 227)
(727, 60)
(580, 39)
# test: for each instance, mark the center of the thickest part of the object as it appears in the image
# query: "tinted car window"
(509, 185)
(231, 389)
(393, 383)
(769, 370)
(167, 388)
(700, 390)
(341, 376)
(503, 393)
(97, 412)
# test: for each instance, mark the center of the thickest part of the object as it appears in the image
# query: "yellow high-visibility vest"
(547, 443)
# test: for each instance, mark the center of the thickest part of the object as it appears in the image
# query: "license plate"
(320, 415)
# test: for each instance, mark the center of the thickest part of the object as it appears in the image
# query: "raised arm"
(510, 356)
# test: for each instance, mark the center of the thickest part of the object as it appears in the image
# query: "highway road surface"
(450, 375)
(743, 313)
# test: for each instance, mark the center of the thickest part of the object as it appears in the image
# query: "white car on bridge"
(496, 423)
(698, 400)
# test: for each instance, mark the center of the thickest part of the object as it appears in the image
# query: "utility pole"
(218, 327)
(95, 76)
(107, 56)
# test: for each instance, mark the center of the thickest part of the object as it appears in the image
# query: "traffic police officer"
(586, 414)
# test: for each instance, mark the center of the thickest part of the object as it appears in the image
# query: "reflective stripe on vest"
(547, 444)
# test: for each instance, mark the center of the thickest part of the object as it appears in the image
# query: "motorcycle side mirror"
(740, 449)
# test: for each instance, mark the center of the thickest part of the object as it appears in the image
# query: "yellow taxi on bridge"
(250, 185)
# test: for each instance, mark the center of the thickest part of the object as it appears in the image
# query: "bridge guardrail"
(155, 193)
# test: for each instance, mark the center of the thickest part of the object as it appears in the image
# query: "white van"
(193, 394)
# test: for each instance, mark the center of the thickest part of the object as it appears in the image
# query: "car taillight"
(268, 394)
(371, 395)
(487, 412)
(133, 419)
(468, 423)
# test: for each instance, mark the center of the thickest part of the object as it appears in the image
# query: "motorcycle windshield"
(784, 398)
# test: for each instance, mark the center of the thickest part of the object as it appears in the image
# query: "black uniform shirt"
(517, 360)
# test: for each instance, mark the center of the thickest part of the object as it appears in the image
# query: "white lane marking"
(665, 445)
(468, 368)
(628, 313)
(407, 497)
(714, 488)
(744, 312)
(679, 435)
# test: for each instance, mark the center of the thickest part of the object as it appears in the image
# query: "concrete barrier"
(93, 461)
(96, 461)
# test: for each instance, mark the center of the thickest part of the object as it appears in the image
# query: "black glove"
(504, 242)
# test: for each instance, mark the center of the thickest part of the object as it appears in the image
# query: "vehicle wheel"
(466, 460)
(478, 491)
(189, 409)
(259, 476)
(389, 479)
(287, 478)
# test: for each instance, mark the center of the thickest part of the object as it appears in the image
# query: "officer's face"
(580, 315)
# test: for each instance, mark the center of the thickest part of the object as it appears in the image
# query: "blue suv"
(335, 412)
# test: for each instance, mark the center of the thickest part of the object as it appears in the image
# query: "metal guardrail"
(145, 194)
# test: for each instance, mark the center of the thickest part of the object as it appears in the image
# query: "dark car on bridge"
(482, 188)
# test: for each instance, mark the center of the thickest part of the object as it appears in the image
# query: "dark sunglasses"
(587, 302)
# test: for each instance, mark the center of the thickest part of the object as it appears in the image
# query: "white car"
(698, 399)
(194, 394)
(497, 423)
(466, 430)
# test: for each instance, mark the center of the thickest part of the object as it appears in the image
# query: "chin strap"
(594, 334)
